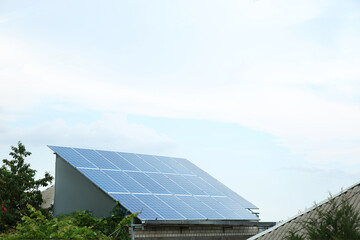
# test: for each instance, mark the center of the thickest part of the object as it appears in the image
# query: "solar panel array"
(158, 187)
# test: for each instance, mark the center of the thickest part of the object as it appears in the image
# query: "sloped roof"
(160, 188)
(281, 230)
(48, 197)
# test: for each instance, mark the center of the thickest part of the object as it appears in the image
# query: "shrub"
(79, 225)
(338, 221)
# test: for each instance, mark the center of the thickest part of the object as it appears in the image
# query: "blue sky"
(263, 95)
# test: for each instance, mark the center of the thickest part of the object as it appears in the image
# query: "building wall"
(195, 232)
(73, 191)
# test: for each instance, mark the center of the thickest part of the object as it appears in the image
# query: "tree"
(337, 221)
(18, 187)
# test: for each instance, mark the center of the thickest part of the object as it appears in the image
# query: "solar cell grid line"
(71, 156)
(237, 198)
(160, 207)
(147, 182)
(174, 164)
(102, 180)
(206, 187)
(224, 211)
(215, 183)
(167, 183)
(138, 162)
(134, 205)
(95, 158)
(245, 214)
(187, 211)
(188, 186)
(117, 160)
(228, 192)
(156, 163)
(201, 207)
(166, 161)
(126, 181)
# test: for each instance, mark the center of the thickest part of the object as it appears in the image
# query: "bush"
(79, 225)
(338, 221)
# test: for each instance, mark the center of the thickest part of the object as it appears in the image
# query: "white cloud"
(303, 96)
(111, 132)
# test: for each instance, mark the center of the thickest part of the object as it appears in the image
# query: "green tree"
(337, 221)
(18, 187)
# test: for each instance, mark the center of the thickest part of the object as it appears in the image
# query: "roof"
(160, 188)
(281, 230)
(48, 197)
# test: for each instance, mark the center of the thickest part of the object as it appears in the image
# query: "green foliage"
(116, 225)
(79, 225)
(18, 187)
(37, 226)
(340, 221)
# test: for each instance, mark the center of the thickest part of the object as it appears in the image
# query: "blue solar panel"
(102, 180)
(95, 158)
(218, 185)
(174, 164)
(188, 186)
(160, 207)
(71, 156)
(224, 211)
(166, 182)
(117, 160)
(185, 210)
(238, 209)
(135, 205)
(161, 166)
(126, 181)
(202, 208)
(160, 187)
(138, 162)
(204, 186)
(147, 182)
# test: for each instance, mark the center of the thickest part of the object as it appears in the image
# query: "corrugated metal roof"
(281, 230)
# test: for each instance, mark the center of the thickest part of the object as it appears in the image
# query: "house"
(280, 231)
(175, 199)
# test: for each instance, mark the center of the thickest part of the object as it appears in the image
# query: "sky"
(263, 95)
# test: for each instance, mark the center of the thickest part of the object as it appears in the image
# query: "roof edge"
(209, 222)
(304, 212)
